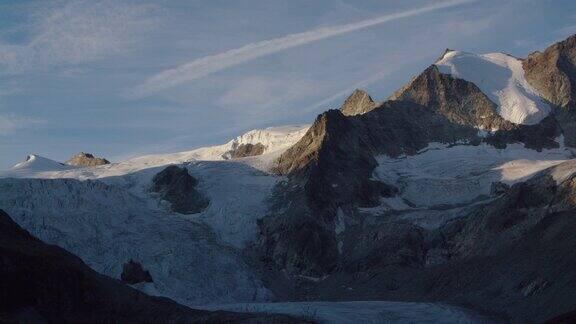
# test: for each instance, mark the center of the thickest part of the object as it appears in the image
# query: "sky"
(122, 78)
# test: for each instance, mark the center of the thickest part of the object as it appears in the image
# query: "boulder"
(133, 273)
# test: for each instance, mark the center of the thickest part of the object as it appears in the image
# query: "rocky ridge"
(86, 160)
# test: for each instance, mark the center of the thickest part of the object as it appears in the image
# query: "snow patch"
(447, 175)
(501, 78)
(443, 182)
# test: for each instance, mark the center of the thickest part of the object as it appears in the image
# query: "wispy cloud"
(263, 95)
(11, 123)
(210, 64)
(65, 33)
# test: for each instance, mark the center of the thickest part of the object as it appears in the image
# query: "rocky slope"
(511, 256)
(330, 174)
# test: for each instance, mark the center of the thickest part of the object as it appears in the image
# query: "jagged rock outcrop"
(175, 185)
(247, 149)
(86, 159)
(553, 74)
(358, 103)
(42, 283)
(133, 273)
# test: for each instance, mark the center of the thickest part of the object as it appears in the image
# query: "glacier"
(107, 216)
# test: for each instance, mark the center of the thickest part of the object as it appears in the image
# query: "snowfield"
(501, 78)
(442, 181)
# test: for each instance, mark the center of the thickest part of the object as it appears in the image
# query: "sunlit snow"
(501, 78)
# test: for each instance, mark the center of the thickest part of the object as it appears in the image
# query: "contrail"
(213, 63)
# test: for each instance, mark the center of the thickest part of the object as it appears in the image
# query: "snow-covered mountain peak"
(35, 162)
(501, 77)
(273, 138)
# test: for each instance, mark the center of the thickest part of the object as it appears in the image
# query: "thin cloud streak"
(213, 63)
(10, 123)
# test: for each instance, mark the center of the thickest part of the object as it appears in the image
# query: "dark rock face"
(371, 191)
(44, 283)
(177, 186)
(388, 244)
(358, 103)
(292, 237)
(244, 150)
(498, 188)
(331, 151)
(86, 159)
(133, 273)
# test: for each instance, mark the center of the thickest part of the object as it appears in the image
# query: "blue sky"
(120, 78)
